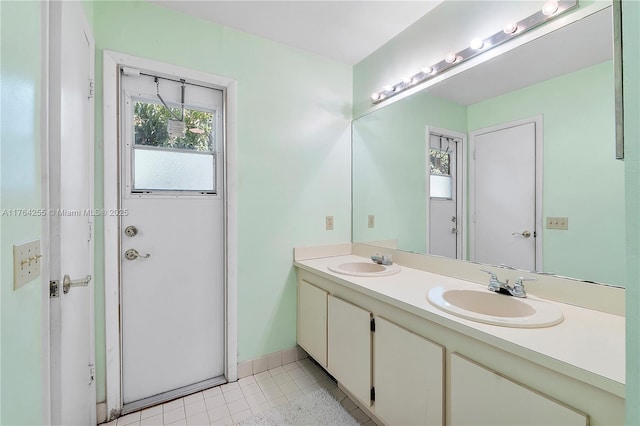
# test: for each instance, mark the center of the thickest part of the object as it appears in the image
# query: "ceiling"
(347, 31)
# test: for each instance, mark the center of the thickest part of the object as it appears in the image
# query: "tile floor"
(233, 402)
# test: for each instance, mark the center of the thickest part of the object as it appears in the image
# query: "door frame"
(51, 91)
(461, 187)
(112, 61)
(538, 121)
(45, 179)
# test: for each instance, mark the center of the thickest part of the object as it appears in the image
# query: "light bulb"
(550, 7)
(476, 43)
(510, 28)
(375, 96)
(450, 58)
(407, 80)
(427, 70)
(389, 88)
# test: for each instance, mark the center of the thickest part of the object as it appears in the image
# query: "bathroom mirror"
(565, 80)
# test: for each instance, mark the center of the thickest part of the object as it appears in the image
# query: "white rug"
(317, 408)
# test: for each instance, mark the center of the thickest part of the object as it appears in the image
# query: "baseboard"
(273, 360)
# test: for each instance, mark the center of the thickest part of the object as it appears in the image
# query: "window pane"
(440, 186)
(439, 162)
(173, 170)
(152, 121)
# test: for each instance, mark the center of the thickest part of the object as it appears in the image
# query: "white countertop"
(588, 345)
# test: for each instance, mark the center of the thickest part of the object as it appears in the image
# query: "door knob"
(132, 254)
(67, 283)
(525, 234)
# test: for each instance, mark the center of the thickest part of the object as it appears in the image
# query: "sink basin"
(493, 308)
(364, 269)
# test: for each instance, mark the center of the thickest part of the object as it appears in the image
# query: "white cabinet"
(349, 347)
(481, 397)
(312, 321)
(408, 376)
(407, 370)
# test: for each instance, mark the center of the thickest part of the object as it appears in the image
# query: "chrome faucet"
(503, 287)
(382, 259)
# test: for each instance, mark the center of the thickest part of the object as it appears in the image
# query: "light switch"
(372, 221)
(558, 223)
(329, 223)
(26, 262)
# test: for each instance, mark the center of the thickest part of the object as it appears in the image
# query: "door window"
(440, 182)
(172, 155)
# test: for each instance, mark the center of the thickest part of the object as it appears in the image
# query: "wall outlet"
(558, 223)
(26, 262)
(372, 221)
(329, 223)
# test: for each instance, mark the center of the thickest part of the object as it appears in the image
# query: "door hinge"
(92, 88)
(92, 373)
(90, 231)
(54, 289)
(373, 393)
(373, 325)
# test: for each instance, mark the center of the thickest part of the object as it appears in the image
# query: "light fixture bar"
(550, 10)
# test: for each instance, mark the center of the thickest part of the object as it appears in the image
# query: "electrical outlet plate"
(329, 223)
(26, 262)
(561, 223)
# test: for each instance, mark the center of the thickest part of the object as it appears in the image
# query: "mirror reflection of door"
(443, 198)
(503, 195)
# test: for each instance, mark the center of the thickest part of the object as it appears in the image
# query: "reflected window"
(440, 182)
(173, 155)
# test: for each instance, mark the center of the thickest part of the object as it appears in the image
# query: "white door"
(171, 239)
(503, 183)
(71, 199)
(443, 197)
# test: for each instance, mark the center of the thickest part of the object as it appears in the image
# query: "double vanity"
(414, 347)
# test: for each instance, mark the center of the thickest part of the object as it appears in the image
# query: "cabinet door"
(482, 397)
(349, 347)
(408, 373)
(312, 321)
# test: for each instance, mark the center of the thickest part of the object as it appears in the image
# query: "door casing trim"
(111, 142)
(538, 121)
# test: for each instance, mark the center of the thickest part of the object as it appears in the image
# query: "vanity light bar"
(550, 10)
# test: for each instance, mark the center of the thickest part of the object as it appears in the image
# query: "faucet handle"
(518, 286)
(494, 284)
(492, 275)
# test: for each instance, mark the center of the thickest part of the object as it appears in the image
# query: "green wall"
(21, 310)
(631, 79)
(294, 112)
(582, 179)
(389, 152)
